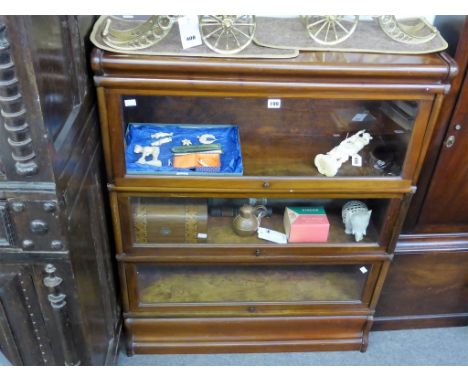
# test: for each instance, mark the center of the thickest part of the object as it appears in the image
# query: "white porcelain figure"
(161, 135)
(356, 217)
(161, 141)
(207, 139)
(147, 151)
(328, 164)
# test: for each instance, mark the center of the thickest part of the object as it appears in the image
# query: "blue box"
(140, 134)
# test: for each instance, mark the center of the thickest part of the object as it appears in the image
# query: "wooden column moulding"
(14, 113)
(58, 303)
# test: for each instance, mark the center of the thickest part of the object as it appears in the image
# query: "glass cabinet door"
(306, 284)
(248, 136)
(151, 222)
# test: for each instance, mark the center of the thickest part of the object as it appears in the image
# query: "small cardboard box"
(306, 224)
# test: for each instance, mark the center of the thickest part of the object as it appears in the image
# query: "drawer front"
(200, 289)
(267, 334)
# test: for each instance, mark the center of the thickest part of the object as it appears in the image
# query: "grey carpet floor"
(425, 347)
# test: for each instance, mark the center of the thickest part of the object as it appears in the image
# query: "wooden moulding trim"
(110, 63)
(430, 127)
(245, 346)
(285, 89)
(190, 258)
(420, 321)
(220, 192)
(114, 204)
(123, 287)
(213, 310)
(312, 309)
(452, 65)
(425, 243)
(365, 94)
(249, 185)
(379, 285)
(103, 118)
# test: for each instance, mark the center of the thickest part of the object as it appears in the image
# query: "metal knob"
(17, 206)
(257, 252)
(56, 244)
(450, 141)
(266, 184)
(27, 244)
(38, 226)
(50, 206)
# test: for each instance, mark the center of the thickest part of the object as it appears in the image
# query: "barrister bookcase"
(189, 283)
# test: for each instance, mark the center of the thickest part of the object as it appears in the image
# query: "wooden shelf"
(220, 231)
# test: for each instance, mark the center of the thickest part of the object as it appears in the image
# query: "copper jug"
(248, 221)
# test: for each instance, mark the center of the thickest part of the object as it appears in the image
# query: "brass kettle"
(248, 220)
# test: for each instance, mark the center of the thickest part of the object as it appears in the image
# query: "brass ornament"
(223, 34)
(414, 31)
(330, 29)
(227, 34)
(147, 34)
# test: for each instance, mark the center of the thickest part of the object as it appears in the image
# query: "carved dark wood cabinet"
(188, 282)
(57, 296)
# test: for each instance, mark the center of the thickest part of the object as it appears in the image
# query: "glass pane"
(279, 137)
(236, 221)
(286, 283)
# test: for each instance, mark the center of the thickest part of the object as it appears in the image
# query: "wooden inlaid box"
(170, 221)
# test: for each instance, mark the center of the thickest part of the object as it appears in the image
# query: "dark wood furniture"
(58, 302)
(232, 294)
(427, 285)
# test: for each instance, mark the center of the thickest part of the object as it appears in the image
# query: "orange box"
(197, 160)
(306, 224)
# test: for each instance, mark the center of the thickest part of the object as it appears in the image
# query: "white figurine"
(328, 164)
(207, 139)
(161, 141)
(161, 135)
(356, 217)
(147, 151)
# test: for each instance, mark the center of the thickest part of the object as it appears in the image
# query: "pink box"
(306, 224)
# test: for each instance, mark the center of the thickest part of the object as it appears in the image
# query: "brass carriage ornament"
(231, 34)
(227, 34)
(414, 31)
(223, 34)
(332, 30)
(142, 36)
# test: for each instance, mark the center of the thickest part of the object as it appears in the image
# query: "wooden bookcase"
(233, 294)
